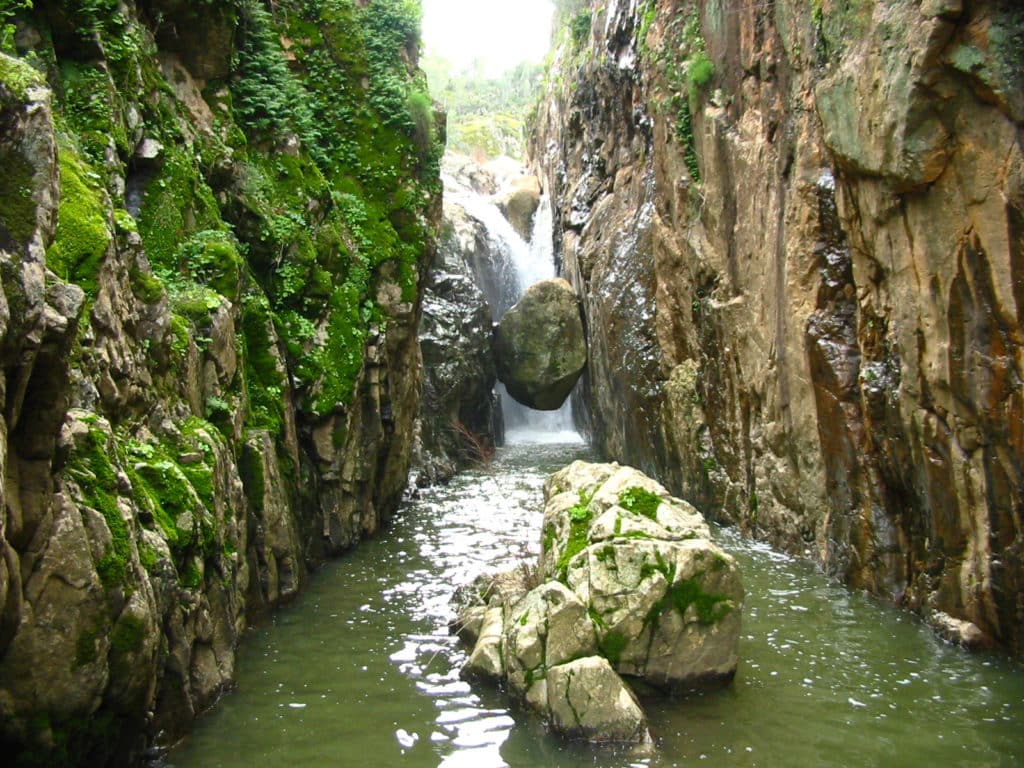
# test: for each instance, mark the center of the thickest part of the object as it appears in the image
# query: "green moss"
(86, 648)
(19, 76)
(579, 525)
(641, 502)
(17, 203)
(579, 28)
(611, 645)
(180, 337)
(192, 578)
(128, 634)
(177, 203)
(92, 107)
(91, 468)
(145, 285)
(710, 608)
(180, 498)
(211, 258)
(264, 380)
(148, 557)
(681, 595)
(549, 538)
(82, 237)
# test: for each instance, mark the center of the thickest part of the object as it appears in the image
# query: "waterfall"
(523, 424)
(504, 270)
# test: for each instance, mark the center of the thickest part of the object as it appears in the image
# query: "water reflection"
(361, 669)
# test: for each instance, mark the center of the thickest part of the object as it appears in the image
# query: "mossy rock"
(83, 236)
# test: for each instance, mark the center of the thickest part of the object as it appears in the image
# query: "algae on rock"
(209, 317)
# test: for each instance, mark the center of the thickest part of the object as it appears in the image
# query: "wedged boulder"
(540, 347)
(586, 699)
(631, 585)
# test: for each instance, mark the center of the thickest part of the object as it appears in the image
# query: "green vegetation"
(16, 74)
(96, 475)
(611, 645)
(684, 593)
(640, 501)
(486, 115)
(579, 525)
(579, 29)
(8, 10)
(83, 237)
(687, 70)
(17, 206)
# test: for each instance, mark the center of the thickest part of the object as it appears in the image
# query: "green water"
(361, 671)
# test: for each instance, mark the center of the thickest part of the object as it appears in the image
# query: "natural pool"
(360, 669)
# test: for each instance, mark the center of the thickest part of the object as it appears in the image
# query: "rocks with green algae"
(633, 590)
(196, 268)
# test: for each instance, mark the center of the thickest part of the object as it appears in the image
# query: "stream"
(360, 669)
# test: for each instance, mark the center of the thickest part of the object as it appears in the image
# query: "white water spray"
(532, 263)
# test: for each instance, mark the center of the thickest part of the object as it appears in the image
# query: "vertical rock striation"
(214, 227)
(797, 231)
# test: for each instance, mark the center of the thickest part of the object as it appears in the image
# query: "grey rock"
(540, 346)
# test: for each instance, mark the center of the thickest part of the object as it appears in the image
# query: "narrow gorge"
(253, 435)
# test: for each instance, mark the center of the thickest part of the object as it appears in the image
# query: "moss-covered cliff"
(797, 230)
(215, 219)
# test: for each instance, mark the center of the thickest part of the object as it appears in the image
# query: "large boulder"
(665, 599)
(540, 347)
(630, 585)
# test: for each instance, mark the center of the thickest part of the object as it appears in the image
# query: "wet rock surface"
(629, 585)
(207, 387)
(800, 274)
(540, 347)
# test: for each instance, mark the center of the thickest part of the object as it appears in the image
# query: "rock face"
(208, 330)
(796, 232)
(459, 415)
(630, 585)
(540, 346)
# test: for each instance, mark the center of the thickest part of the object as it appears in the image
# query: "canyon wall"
(798, 231)
(215, 221)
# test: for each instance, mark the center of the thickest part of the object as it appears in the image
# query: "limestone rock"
(548, 626)
(588, 700)
(802, 301)
(458, 415)
(262, 376)
(540, 345)
(667, 601)
(486, 660)
(632, 586)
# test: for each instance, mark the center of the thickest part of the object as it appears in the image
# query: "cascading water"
(513, 265)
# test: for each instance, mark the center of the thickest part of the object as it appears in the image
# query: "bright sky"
(500, 32)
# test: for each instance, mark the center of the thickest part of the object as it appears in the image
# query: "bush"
(580, 29)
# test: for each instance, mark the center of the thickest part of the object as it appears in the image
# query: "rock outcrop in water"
(211, 255)
(630, 584)
(797, 231)
(540, 347)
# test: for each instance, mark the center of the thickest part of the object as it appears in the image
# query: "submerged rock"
(540, 346)
(631, 585)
